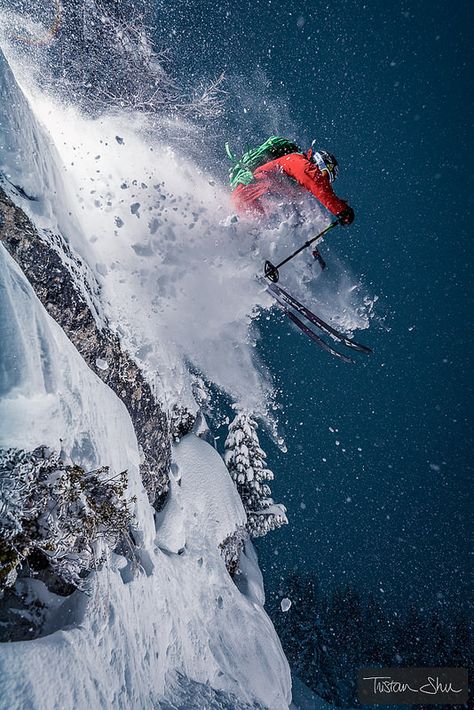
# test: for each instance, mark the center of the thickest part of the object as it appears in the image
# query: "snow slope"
(48, 396)
(176, 625)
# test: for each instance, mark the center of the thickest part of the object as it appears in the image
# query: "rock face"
(43, 263)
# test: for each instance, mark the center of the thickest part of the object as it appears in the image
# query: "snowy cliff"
(169, 625)
(160, 622)
(128, 301)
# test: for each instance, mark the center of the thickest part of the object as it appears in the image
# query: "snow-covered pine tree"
(246, 462)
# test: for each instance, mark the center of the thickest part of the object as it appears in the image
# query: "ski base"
(314, 337)
(279, 293)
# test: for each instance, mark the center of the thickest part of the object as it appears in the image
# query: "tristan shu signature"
(433, 686)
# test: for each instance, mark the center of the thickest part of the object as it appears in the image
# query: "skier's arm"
(312, 179)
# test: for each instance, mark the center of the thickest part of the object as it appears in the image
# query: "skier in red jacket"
(314, 171)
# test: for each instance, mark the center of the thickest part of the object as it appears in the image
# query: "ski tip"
(314, 337)
(357, 346)
(347, 359)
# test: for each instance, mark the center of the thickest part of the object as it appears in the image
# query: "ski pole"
(271, 271)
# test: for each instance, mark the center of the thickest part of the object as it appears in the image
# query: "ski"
(312, 335)
(288, 299)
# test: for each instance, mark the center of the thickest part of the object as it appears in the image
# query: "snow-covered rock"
(48, 396)
(144, 636)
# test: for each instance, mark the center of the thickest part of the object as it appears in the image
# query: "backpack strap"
(230, 154)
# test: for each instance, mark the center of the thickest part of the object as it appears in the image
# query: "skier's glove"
(346, 216)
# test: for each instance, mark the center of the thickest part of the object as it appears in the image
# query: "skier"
(270, 173)
(276, 172)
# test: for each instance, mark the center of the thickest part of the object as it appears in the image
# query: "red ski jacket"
(272, 178)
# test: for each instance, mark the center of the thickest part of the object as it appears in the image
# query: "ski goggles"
(324, 163)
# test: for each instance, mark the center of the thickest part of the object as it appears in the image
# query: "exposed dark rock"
(181, 422)
(43, 260)
(22, 615)
(231, 548)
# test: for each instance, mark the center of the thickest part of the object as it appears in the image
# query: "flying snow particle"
(285, 604)
(119, 140)
(101, 364)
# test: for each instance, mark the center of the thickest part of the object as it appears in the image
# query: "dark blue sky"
(387, 88)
